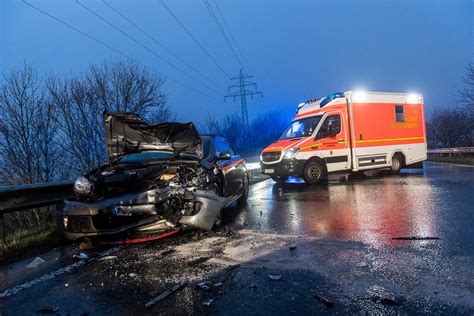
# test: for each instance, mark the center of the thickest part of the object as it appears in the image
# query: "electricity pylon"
(243, 92)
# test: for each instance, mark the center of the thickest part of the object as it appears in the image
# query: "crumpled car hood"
(127, 132)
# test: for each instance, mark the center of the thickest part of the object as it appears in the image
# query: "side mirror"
(332, 130)
(224, 155)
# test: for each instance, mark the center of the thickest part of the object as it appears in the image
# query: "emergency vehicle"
(350, 131)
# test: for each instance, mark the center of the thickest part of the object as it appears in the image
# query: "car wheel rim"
(314, 173)
(395, 164)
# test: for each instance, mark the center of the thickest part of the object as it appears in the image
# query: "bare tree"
(466, 95)
(267, 128)
(229, 127)
(466, 101)
(264, 129)
(448, 127)
(28, 137)
(28, 129)
(81, 102)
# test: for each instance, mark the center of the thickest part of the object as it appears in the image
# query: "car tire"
(314, 172)
(397, 163)
(279, 179)
(245, 192)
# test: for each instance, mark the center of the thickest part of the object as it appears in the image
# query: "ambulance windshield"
(301, 128)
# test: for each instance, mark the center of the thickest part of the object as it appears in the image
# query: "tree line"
(453, 126)
(51, 128)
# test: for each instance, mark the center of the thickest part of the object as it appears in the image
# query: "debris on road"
(415, 238)
(292, 247)
(203, 285)
(198, 261)
(80, 256)
(132, 275)
(35, 263)
(386, 300)
(217, 284)
(165, 294)
(108, 258)
(275, 277)
(208, 302)
(47, 310)
(327, 302)
(167, 252)
(362, 265)
(253, 286)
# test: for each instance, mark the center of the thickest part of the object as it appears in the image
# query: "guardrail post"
(2, 229)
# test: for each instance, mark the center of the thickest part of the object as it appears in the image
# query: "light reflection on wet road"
(434, 202)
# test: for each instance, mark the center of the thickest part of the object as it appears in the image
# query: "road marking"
(48, 276)
(448, 163)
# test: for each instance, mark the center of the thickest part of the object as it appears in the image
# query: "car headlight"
(290, 153)
(82, 186)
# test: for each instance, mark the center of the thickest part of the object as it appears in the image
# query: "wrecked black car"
(155, 173)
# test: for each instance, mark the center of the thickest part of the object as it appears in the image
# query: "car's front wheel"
(314, 172)
(245, 190)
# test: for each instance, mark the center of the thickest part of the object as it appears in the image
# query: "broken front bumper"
(121, 213)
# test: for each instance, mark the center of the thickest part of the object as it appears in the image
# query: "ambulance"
(349, 132)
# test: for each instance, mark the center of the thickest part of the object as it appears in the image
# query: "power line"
(228, 29)
(111, 48)
(158, 42)
(142, 45)
(194, 38)
(224, 35)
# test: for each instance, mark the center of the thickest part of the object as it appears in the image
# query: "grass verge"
(453, 160)
(29, 243)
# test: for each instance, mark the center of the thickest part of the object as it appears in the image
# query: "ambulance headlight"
(291, 153)
(82, 186)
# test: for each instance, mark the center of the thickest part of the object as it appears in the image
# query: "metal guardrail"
(28, 196)
(458, 150)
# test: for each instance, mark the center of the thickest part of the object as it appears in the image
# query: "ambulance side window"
(399, 115)
(324, 130)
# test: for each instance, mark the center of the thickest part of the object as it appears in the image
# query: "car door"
(232, 169)
(334, 147)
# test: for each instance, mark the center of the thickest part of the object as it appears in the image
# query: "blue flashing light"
(331, 97)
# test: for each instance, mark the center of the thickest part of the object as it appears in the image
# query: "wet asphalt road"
(437, 201)
(333, 240)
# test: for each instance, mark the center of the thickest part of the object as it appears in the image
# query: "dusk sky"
(296, 50)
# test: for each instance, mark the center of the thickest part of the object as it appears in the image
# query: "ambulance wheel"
(279, 179)
(397, 163)
(314, 172)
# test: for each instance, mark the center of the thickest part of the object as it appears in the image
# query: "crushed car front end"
(155, 173)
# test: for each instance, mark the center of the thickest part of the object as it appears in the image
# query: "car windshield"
(301, 128)
(146, 156)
